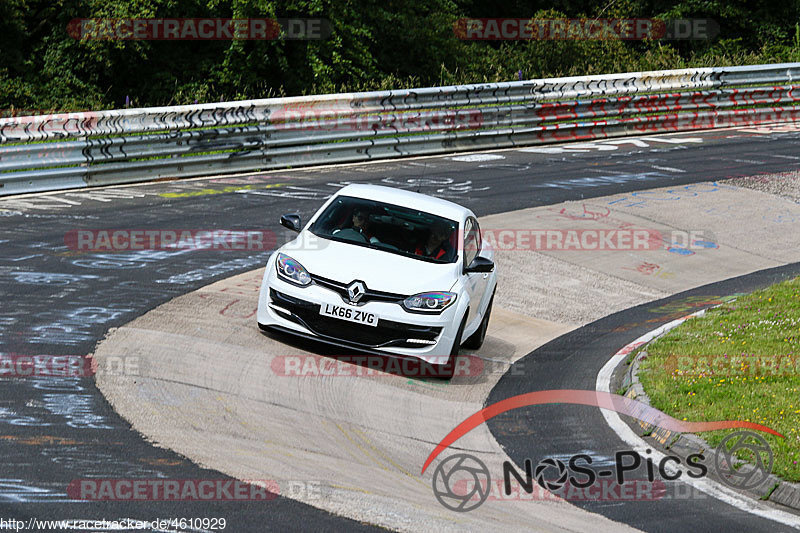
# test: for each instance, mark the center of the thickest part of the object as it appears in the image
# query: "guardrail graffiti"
(82, 149)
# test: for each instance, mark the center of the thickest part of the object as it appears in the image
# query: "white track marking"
(604, 145)
(748, 161)
(548, 150)
(676, 141)
(636, 142)
(669, 169)
(477, 157)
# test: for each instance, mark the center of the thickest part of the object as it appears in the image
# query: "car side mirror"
(480, 264)
(292, 222)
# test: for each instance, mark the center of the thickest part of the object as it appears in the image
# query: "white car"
(386, 271)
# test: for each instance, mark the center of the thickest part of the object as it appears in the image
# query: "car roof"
(404, 198)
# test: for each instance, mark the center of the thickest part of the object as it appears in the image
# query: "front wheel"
(447, 370)
(475, 340)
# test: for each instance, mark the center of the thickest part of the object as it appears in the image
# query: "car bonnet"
(379, 270)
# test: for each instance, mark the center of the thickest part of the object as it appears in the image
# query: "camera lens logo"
(461, 471)
(547, 465)
(756, 457)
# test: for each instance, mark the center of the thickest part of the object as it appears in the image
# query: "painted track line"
(708, 486)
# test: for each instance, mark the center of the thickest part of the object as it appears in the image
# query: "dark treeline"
(374, 44)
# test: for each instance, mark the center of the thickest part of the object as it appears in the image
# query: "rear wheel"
(475, 340)
(447, 370)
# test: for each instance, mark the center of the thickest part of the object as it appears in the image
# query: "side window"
(472, 240)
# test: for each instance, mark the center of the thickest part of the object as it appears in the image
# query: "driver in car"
(437, 246)
(359, 229)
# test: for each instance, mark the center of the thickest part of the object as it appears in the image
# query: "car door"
(475, 282)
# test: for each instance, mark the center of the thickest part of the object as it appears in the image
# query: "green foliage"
(374, 45)
(740, 361)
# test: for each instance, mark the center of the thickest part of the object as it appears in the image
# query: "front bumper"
(288, 308)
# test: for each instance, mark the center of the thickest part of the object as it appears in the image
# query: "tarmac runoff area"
(210, 386)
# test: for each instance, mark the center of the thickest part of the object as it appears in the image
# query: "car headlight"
(292, 271)
(429, 302)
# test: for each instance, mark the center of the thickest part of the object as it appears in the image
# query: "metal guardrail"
(74, 150)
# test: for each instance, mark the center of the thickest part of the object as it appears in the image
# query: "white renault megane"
(385, 271)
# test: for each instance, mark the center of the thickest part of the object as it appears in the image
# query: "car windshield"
(389, 228)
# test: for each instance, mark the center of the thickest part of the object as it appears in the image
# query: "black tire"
(447, 370)
(475, 340)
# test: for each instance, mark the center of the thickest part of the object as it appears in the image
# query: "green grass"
(725, 380)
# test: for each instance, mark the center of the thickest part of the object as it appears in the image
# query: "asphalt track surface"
(59, 302)
(573, 361)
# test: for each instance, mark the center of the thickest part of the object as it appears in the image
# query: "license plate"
(348, 313)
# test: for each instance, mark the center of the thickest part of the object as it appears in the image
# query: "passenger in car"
(437, 245)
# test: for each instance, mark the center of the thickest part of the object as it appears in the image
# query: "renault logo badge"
(356, 290)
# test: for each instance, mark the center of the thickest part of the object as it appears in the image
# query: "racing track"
(573, 361)
(54, 431)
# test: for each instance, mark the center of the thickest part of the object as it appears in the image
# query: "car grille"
(386, 333)
(369, 295)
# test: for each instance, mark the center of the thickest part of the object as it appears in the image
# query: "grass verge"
(740, 361)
